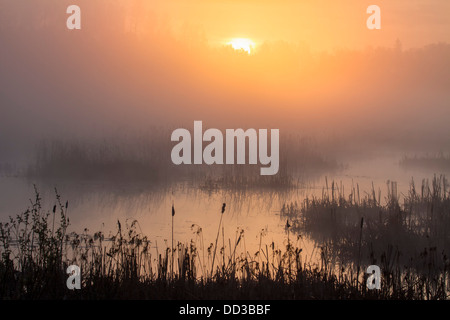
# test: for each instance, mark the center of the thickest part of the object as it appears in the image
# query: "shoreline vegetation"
(353, 231)
(148, 159)
(439, 161)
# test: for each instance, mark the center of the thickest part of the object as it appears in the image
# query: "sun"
(242, 44)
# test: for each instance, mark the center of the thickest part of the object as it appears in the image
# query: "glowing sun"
(242, 44)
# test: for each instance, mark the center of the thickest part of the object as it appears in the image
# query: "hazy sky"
(321, 24)
(137, 63)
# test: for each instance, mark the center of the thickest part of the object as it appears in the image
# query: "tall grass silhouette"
(408, 240)
(36, 248)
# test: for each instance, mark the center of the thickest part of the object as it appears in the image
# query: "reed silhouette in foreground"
(36, 249)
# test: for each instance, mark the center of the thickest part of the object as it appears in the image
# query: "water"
(98, 206)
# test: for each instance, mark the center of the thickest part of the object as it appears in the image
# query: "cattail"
(359, 250)
(53, 223)
(173, 214)
(217, 238)
(288, 225)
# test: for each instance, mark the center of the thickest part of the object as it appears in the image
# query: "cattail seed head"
(288, 225)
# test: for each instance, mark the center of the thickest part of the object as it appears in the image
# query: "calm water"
(98, 206)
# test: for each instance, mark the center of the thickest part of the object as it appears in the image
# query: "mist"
(119, 76)
(90, 120)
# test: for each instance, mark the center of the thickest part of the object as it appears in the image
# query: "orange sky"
(320, 24)
(140, 62)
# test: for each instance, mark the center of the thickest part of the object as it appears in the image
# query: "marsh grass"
(125, 159)
(32, 251)
(439, 161)
(242, 178)
(146, 159)
(408, 239)
(36, 248)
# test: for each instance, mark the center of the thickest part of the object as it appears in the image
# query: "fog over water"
(91, 113)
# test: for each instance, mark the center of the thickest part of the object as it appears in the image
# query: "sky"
(321, 24)
(315, 68)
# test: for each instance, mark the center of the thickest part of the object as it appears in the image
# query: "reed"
(217, 238)
(401, 234)
(127, 265)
